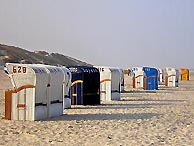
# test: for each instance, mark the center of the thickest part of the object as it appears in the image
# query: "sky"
(119, 33)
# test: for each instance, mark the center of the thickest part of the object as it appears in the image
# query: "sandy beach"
(140, 118)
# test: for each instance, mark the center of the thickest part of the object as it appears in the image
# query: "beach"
(140, 118)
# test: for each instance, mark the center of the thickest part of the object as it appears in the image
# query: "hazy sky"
(120, 33)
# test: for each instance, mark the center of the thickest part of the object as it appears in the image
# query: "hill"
(19, 55)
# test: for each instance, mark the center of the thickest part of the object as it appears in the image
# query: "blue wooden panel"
(151, 78)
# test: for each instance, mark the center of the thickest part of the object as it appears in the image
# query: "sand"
(164, 117)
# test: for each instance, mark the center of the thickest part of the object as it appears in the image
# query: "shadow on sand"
(120, 106)
(139, 91)
(92, 117)
(152, 100)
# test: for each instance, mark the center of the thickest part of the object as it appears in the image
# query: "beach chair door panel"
(77, 93)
